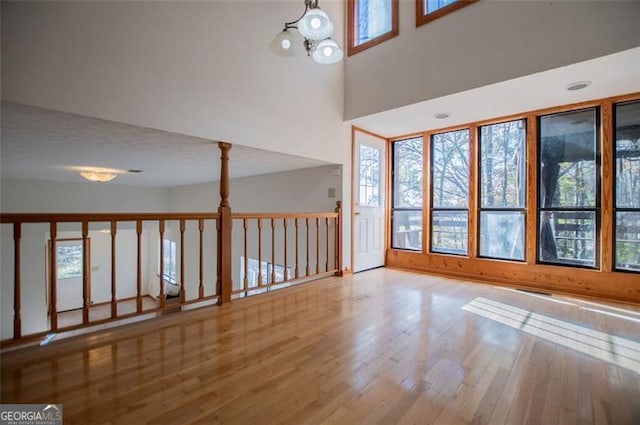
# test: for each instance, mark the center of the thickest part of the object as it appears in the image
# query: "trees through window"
(450, 192)
(370, 22)
(627, 191)
(407, 194)
(503, 190)
(568, 193)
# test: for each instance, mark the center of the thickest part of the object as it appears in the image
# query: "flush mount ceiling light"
(98, 175)
(316, 28)
(578, 85)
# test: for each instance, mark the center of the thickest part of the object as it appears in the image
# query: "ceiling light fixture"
(441, 115)
(578, 85)
(98, 175)
(316, 28)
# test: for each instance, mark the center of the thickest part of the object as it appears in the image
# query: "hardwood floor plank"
(379, 347)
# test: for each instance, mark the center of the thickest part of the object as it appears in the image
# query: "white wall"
(484, 43)
(197, 68)
(35, 196)
(290, 191)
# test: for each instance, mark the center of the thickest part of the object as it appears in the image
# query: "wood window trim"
(352, 49)
(422, 17)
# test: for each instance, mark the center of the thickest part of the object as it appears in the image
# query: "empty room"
(320, 212)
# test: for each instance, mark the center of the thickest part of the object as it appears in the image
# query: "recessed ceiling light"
(441, 115)
(578, 85)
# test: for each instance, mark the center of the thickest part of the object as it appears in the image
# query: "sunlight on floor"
(601, 345)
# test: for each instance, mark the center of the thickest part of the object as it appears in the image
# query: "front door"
(369, 195)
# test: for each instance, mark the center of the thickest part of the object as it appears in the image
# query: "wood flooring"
(379, 347)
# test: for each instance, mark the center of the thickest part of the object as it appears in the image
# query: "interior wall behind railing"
(304, 190)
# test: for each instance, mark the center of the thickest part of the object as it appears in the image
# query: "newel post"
(225, 221)
(338, 239)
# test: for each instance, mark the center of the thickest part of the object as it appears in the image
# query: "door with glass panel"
(368, 223)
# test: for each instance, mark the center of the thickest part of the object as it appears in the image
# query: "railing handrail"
(119, 216)
(280, 215)
(101, 217)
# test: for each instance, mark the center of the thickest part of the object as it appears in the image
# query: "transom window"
(370, 23)
(428, 10)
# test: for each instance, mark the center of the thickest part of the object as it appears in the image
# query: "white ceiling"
(610, 75)
(41, 144)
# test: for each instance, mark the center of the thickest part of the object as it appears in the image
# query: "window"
(69, 259)
(428, 10)
(568, 193)
(450, 192)
(370, 23)
(503, 190)
(169, 272)
(369, 176)
(627, 193)
(406, 214)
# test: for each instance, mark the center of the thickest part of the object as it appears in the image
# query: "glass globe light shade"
(327, 52)
(285, 44)
(315, 25)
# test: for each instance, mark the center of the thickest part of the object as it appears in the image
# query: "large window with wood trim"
(370, 22)
(503, 190)
(627, 188)
(406, 215)
(568, 188)
(428, 10)
(450, 192)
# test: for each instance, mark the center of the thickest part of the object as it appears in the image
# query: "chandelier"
(316, 28)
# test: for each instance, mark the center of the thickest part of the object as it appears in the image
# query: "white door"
(69, 279)
(369, 172)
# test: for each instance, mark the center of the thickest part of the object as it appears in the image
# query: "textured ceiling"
(41, 144)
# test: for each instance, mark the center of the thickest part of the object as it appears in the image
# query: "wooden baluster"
(317, 245)
(297, 270)
(182, 291)
(225, 285)
(259, 252)
(307, 225)
(139, 266)
(286, 272)
(338, 239)
(326, 227)
(273, 251)
(86, 273)
(53, 288)
(245, 282)
(17, 297)
(161, 296)
(201, 260)
(114, 302)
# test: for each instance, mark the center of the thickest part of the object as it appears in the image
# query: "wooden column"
(86, 273)
(338, 239)
(161, 297)
(182, 292)
(17, 297)
(53, 277)
(225, 285)
(114, 302)
(139, 266)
